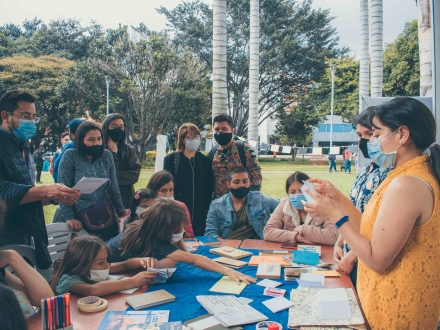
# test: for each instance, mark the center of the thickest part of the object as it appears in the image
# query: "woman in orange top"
(397, 238)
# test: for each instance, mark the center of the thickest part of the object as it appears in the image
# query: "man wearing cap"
(25, 217)
(72, 127)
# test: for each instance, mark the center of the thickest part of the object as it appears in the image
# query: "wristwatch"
(341, 221)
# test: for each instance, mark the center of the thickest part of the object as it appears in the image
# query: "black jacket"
(15, 181)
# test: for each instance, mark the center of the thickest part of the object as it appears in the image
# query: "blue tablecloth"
(190, 281)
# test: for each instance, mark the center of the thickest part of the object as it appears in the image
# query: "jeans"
(347, 166)
(332, 165)
(39, 169)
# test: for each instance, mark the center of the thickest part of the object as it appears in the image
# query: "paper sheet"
(277, 304)
(204, 323)
(89, 185)
(226, 285)
(311, 187)
(269, 283)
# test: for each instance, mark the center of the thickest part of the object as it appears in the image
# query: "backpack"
(241, 153)
(331, 157)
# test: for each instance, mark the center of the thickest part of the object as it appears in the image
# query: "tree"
(425, 47)
(42, 77)
(295, 43)
(401, 64)
(376, 39)
(364, 56)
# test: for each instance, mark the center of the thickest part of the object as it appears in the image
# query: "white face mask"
(177, 237)
(99, 275)
(139, 210)
(192, 145)
(171, 198)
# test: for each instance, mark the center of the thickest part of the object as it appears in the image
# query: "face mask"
(116, 134)
(26, 129)
(93, 151)
(296, 199)
(192, 145)
(363, 147)
(171, 198)
(241, 192)
(176, 237)
(99, 275)
(381, 158)
(223, 138)
(139, 210)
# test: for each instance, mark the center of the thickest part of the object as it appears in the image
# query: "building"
(344, 134)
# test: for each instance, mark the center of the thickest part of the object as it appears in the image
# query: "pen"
(43, 312)
(54, 312)
(60, 311)
(67, 297)
(49, 314)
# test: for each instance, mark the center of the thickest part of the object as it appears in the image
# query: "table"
(91, 321)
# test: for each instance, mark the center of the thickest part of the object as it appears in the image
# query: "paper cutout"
(226, 285)
(269, 283)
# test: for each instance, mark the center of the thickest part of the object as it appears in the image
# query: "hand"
(323, 207)
(338, 253)
(111, 145)
(61, 194)
(149, 262)
(125, 216)
(74, 224)
(297, 229)
(326, 188)
(347, 263)
(301, 239)
(143, 278)
(239, 277)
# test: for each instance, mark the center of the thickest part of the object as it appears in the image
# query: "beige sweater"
(285, 218)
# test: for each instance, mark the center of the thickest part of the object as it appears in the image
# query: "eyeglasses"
(192, 137)
(26, 117)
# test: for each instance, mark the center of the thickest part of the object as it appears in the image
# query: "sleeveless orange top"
(407, 294)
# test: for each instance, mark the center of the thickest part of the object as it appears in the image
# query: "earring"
(400, 142)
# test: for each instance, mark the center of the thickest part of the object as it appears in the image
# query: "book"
(230, 252)
(207, 321)
(231, 263)
(230, 310)
(150, 299)
(274, 252)
(306, 257)
(207, 240)
(291, 274)
(310, 248)
(226, 285)
(256, 260)
(269, 270)
(156, 326)
(121, 319)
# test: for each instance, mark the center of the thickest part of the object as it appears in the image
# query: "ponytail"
(435, 161)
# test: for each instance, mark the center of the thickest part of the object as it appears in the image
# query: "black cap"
(73, 124)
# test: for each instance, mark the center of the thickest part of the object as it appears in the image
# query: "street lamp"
(332, 104)
(107, 81)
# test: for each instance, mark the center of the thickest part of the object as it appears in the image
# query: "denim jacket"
(221, 214)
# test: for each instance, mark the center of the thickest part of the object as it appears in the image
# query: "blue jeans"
(347, 166)
(332, 165)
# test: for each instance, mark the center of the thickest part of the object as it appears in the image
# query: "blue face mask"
(26, 129)
(384, 160)
(296, 199)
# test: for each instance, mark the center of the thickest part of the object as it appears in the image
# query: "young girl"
(84, 270)
(142, 199)
(158, 234)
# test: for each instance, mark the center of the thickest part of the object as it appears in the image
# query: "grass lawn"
(274, 179)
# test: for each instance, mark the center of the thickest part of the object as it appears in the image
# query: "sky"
(110, 13)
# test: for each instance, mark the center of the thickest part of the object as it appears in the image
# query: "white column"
(364, 52)
(254, 70)
(376, 39)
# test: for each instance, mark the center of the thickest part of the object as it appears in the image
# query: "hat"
(73, 124)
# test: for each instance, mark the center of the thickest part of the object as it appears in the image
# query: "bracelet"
(341, 221)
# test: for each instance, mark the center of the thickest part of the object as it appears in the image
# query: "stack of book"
(292, 274)
(230, 252)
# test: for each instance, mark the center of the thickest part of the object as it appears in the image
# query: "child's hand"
(239, 277)
(143, 278)
(149, 262)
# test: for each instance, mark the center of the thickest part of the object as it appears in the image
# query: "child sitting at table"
(85, 270)
(11, 316)
(158, 234)
(142, 200)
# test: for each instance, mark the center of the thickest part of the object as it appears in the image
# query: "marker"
(49, 314)
(60, 311)
(54, 312)
(67, 297)
(43, 314)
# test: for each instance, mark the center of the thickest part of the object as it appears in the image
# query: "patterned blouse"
(226, 159)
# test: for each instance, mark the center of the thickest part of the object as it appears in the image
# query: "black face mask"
(363, 147)
(241, 192)
(223, 138)
(116, 134)
(93, 151)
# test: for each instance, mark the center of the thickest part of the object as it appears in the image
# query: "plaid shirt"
(226, 159)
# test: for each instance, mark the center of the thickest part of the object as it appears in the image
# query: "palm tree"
(376, 38)
(219, 65)
(254, 70)
(425, 47)
(363, 53)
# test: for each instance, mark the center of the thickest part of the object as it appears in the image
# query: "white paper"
(287, 150)
(161, 151)
(269, 283)
(274, 148)
(311, 187)
(204, 323)
(311, 280)
(333, 304)
(317, 151)
(230, 310)
(334, 151)
(277, 304)
(245, 300)
(89, 185)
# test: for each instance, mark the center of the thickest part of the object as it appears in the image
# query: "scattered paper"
(245, 300)
(333, 304)
(226, 285)
(311, 280)
(204, 323)
(277, 304)
(274, 292)
(89, 185)
(269, 283)
(311, 188)
(326, 273)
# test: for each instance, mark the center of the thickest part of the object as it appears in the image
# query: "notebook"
(310, 248)
(266, 270)
(226, 285)
(150, 299)
(207, 240)
(231, 263)
(230, 252)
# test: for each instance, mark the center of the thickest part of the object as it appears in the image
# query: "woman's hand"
(338, 253)
(301, 239)
(149, 262)
(239, 277)
(323, 207)
(327, 189)
(112, 146)
(74, 224)
(346, 264)
(143, 278)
